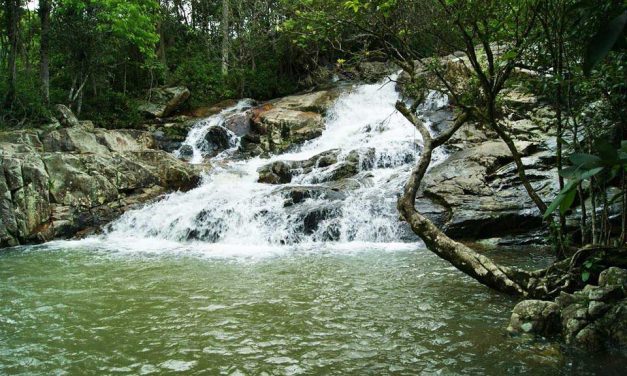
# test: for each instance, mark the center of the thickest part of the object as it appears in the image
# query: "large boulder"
(282, 128)
(164, 102)
(78, 179)
(481, 193)
(65, 116)
(275, 173)
(535, 316)
(281, 124)
(217, 140)
(318, 101)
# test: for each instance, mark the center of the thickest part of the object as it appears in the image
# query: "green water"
(79, 312)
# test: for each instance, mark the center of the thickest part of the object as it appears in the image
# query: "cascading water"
(231, 211)
(196, 140)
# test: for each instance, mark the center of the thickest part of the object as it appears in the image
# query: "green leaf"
(607, 152)
(590, 173)
(568, 200)
(584, 160)
(570, 186)
(585, 276)
(603, 41)
(570, 172)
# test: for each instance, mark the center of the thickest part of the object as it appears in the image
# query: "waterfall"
(231, 211)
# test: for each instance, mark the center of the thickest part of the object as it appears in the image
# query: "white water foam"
(231, 215)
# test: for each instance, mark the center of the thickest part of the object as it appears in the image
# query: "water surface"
(372, 311)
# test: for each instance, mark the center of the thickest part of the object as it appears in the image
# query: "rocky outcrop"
(592, 318)
(63, 182)
(481, 193)
(164, 101)
(65, 116)
(278, 125)
(329, 167)
(476, 193)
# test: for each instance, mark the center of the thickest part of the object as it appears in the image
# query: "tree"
(12, 10)
(225, 37)
(44, 64)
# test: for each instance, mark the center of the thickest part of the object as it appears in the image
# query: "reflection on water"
(327, 312)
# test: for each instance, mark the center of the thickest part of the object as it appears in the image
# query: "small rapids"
(230, 210)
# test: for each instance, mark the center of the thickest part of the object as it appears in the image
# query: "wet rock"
(340, 171)
(218, 140)
(186, 152)
(363, 157)
(535, 316)
(289, 121)
(239, 124)
(283, 128)
(298, 194)
(310, 216)
(275, 173)
(164, 101)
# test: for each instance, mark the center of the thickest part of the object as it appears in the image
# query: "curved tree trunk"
(542, 284)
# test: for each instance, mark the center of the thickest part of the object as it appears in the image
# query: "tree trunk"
(161, 51)
(12, 14)
(225, 37)
(44, 51)
(540, 284)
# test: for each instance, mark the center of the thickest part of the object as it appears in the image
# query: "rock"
(310, 216)
(239, 124)
(286, 170)
(535, 316)
(613, 277)
(76, 140)
(77, 179)
(275, 173)
(282, 128)
(606, 293)
(117, 141)
(217, 140)
(281, 124)
(339, 171)
(597, 308)
(66, 117)
(363, 157)
(479, 188)
(298, 194)
(164, 101)
(20, 141)
(318, 101)
(375, 71)
(186, 152)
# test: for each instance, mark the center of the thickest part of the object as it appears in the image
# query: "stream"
(227, 280)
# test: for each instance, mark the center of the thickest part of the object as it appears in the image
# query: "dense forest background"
(101, 57)
(98, 56)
